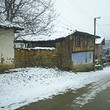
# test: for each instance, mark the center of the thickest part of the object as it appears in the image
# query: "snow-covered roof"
(58, 33)
(7, 24)
(42, 48)
(99, 41)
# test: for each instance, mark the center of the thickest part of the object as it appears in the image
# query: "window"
(90, 55)
(85, 43)
(77, 40)
(91, 42)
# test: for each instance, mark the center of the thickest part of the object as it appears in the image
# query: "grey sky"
(80, 14)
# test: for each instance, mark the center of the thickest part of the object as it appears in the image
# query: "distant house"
(73, 52)
(7, 33)
(99, 43)
(106, 48)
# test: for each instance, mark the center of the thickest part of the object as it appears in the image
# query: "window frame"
(91, 42)
(85, 42)
(77, 41)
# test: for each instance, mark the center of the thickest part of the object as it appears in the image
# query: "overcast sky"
(79, 15)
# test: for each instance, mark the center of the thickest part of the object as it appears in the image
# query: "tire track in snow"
(94, 89)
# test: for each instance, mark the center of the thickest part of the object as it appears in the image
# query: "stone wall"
(32, 57)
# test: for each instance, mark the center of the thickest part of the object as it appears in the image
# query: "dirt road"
(95, 96)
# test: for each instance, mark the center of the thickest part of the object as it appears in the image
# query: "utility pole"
(95, 25)
(94, 38)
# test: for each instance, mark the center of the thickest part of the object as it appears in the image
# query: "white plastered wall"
(6, 48)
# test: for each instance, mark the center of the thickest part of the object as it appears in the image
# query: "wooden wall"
(82, 47)
(67, 48)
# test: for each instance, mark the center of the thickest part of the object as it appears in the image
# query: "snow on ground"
(19, 87)
(93, 90)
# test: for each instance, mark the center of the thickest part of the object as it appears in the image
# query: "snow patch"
(42, 48)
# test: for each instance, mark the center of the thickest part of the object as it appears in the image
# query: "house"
(76, 52)
(7, 33)
(73, 52)
(99, 43)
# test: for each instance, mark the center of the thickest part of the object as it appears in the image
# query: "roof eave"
(12, 27)
(97, 37)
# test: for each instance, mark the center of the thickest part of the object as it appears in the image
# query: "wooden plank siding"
(69, 47)
(83, 47)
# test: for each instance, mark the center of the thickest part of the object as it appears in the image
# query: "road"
(95, 96)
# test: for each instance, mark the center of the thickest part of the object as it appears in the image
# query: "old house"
(99, 43)
(72, 52)
(76, 52)
(7, 32)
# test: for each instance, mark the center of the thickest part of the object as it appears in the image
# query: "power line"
(66, 25)
(104, 24)
(76, 5)
(70, 23)
(68, 4)
(82, 10)
(102, 30)
(71, 4)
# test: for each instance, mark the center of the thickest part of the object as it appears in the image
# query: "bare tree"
(35, 16)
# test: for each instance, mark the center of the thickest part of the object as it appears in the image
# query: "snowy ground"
(19, 87)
